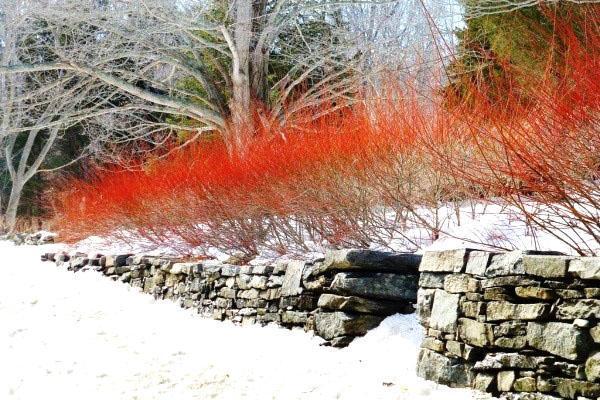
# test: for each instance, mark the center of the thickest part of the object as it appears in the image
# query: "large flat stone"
(376, 285)
(436, 367)
(585, 267)
(546, 266)
(511, 263)
(444, 261)
(334, 324)
(505, 311)
(561, 339)
(371, 260)
(573, 309)
(335, 302)
(444, 313)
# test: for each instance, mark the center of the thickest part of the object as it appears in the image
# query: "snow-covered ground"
(82, 336)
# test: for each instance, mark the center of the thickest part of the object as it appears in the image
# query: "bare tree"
(146, 49)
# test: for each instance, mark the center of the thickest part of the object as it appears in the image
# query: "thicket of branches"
(314, 140)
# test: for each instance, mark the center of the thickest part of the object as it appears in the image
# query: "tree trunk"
(12, 207)
(241, 128)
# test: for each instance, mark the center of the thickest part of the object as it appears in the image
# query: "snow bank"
(68, 336)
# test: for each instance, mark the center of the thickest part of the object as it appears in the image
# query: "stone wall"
(522, 325)
(339, 297)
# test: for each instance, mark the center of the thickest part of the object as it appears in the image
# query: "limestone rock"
(587, 308)
(507, 281)
(331, 325)
(230, 270)
(475, 333)
(433, 344)
(595, 334)
(506, 379)
(511, 263)
(478, 262)
(294, 318)
(498, 361)
(460, 283)
(484, 382)
(358, 304)
(424, 305)
(444, 370)
(545, 266)
(376, 285)
(585, 267)
(292, 279)
(444, 261)
(526, 384)
(558, 338)
(431, 280)
(444, 313)
(354, 259)
(503, 311)
(535, 292)
(571, 388)
(592, 368)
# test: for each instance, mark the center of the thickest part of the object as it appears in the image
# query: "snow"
(82, 336)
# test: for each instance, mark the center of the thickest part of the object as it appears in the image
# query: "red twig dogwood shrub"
(539, 149)
(367, 173)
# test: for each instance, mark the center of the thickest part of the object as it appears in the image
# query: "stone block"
(294, 318)
(572, 388)
(484, 382)
(424, 305)
(433, 344)
(292, 280)
(535, 292)
(475, 333)
(592, 368)
(478, 262)
(376, 285)
(572, 309)
(500, 361)
(444, 313)
(444, 370)
(511, 263)
(248, 294)
(526, 384)
(230, 270)
(430, 280)
(371, 260)
(585, 267)
(460, 283)
(505, 379)
(444, 261)
(510, 281)
(334, 324)
(561, 339)
(546, 266)
(358, 304)
(504, 311)
(262, 269)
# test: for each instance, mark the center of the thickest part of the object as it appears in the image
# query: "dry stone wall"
(521, 325)
(339, 297)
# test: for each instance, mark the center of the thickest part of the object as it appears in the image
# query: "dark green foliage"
(499, 51)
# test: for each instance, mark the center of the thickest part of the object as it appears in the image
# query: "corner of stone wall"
(520, 324)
